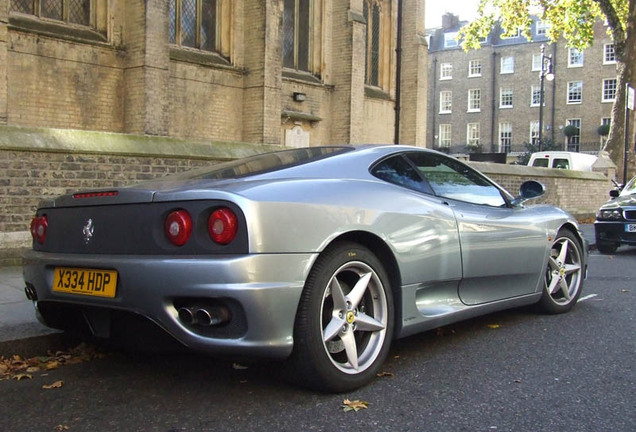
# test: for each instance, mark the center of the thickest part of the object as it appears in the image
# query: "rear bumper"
(265, 289)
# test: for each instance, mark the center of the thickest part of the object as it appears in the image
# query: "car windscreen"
(630, 188)
(263, 163)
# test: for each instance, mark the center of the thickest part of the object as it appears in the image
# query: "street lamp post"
(546, 74)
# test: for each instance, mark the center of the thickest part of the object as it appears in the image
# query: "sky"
(465, 9)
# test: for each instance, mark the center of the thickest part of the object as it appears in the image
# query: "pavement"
(21, 333)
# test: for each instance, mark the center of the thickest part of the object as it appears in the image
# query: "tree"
(574, 20)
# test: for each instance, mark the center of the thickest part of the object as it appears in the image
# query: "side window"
(451, 179)
(398, 171)
(560, 163)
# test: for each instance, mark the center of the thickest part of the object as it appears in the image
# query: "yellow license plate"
(101, 283)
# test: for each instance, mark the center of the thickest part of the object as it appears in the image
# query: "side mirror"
(529, 190)
(614, 193)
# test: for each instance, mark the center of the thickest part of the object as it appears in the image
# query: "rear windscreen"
(540, 163)
(262, 163)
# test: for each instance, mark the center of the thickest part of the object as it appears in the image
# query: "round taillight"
(178, 227)
(223, 226)
(39, 227)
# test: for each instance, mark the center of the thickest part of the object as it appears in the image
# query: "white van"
(563, 160)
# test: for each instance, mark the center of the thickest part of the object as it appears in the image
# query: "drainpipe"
(398, 72)
(434, 98)
(493, 104)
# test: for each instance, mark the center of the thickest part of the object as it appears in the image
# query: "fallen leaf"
(624, 291)
(384, 374)
(493, 326)
(56, 384)
(60, 428)
(53, 364)
(22, 376)
(33, 369)
(355, 405)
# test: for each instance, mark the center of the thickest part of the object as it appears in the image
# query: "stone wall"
(37, 164)
(579, 192)
(42, 163)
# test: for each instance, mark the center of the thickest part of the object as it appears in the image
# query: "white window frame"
(510, 93)
(542, 28)
(507, 65)
(605, 90)
(605, 121)
(473, 66)
(536, 62)
(569, 141)
(609, 52)
(536, 90)
(474, 100)
(445, 135)
(514, 35)
(534, 131)
(575, 58)
(569, 90)
(450, 41)
(445, 102)
(505, 128)
(473, 133)
(445, 71)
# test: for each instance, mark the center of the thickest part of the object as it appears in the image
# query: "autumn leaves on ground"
(18, 368)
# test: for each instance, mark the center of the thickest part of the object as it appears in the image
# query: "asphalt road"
(511, 371)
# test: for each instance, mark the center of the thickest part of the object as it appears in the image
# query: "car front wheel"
(564, 274)
(344, 322)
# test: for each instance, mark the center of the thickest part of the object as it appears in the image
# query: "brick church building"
(99, 93)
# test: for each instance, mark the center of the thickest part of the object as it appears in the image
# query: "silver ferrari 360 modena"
(320, 256)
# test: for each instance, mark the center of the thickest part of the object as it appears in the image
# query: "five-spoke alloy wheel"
(564, 275)
(345, 320)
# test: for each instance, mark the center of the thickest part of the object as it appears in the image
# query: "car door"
(502, 250)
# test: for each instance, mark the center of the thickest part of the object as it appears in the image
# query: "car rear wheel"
(344, 322)
(607, 248)
(564, 275)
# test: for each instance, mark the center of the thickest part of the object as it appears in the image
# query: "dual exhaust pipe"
(204, 316)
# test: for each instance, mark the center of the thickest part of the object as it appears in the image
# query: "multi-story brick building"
(489, 99)
(106, 92)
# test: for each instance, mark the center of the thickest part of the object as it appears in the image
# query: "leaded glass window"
(371, 10)
(296, 34)
(70, 11)
(195, 24)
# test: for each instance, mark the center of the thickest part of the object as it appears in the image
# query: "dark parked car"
(616, 220)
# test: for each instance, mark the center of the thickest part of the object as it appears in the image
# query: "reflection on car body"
(318, 256)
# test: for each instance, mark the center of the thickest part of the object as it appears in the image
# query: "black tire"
(337, 327)
(607, 248)
(564, 274)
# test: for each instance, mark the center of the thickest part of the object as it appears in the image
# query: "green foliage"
(547, 145)
(570, 130)
(572, 19)
(603, 130)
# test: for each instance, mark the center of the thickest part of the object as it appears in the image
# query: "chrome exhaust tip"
(187, 316)
(30, 293)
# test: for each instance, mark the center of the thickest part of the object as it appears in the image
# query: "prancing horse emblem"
(88, 231)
